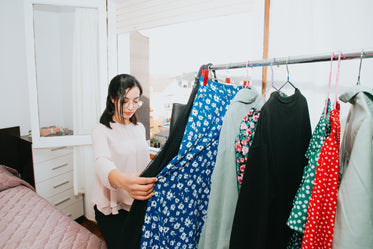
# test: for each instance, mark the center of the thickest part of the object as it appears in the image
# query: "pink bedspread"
(29, 221)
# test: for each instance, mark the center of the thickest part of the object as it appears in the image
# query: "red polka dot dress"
(322, 207)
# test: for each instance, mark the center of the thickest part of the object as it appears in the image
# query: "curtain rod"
(295, 60)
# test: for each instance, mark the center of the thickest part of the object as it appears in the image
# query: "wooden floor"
(90, 225)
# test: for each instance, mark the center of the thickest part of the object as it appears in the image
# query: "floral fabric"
(224, 192)
(175, 214)
(244, 140)
(322, 207)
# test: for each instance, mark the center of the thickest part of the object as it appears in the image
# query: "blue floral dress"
(175, 214)
(244, 140)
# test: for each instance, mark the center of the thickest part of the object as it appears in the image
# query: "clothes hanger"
(337, 79)
(330, 81)
(213, 73)
(214, 78)
(228, 78)
(361, 59)
(287, 81)
(205, 75)
(246, 83)
(267, 90)
(273, 86)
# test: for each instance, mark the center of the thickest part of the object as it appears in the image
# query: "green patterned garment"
(298, 216)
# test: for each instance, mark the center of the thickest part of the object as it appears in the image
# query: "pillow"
(9, 178)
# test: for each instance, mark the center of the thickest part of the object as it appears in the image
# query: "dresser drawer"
(75, 210)
(40, 155)
(55, 185)
(65, 199)
(54, 167)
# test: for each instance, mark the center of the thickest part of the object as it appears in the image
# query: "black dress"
(272, 175)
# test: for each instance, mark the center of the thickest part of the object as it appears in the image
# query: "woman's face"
(130, 105)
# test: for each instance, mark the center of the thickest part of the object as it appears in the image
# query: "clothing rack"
(296, 60)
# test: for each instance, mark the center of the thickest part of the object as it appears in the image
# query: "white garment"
(354, 217)
(123, 147)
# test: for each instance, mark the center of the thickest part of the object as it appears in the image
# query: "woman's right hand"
(139, 188)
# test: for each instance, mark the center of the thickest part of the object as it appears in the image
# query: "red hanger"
(205, 75)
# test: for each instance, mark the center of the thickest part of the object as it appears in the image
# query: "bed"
(27, 220)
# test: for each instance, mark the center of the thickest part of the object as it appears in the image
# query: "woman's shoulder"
(140, 128)
(114, 126)
(100, 128)
(140, 125)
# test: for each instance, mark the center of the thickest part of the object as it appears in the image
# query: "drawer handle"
(60, 184)
(60, 166)
(58, 148)
(62, 201)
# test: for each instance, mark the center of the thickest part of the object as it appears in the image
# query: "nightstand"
(53, 170)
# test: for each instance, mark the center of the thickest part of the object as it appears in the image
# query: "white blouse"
(123, 147)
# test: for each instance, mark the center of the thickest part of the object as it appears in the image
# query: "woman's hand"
(139, 188)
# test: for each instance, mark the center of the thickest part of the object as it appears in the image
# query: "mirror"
(67, 69)
(54, 38)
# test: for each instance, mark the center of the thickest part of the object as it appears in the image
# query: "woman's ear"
(112, 100)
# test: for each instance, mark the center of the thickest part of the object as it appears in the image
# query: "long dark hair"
(117, 90)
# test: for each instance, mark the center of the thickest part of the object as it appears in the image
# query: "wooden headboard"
(16, 153)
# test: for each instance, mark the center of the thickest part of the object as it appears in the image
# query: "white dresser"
(53, 170)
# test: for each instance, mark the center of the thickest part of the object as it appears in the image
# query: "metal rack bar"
(295, 60)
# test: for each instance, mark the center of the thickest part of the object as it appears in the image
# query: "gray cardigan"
(216, 231)
(354, 217)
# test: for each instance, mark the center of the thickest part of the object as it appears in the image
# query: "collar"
(246, 95)
(353, 91)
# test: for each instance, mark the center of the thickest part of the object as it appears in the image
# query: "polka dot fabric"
(295, 241)
(298, 216)
(175, 214)
(244, 140)
(322, 207)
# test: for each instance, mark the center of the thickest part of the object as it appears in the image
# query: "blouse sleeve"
(102, 156)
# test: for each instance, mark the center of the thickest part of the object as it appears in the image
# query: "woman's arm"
(139, 188)
(103, 162)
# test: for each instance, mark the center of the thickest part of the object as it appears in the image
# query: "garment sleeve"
(103, 162)
(147, 145)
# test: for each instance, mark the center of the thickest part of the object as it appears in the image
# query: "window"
(176, 52)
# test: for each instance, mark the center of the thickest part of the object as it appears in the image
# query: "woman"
(120, 153)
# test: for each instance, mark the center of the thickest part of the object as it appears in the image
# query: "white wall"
(14, 101)
(297, 28)
(316, 26)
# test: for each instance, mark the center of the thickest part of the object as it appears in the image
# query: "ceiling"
(134, 15)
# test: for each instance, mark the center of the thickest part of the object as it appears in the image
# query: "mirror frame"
(70, 140)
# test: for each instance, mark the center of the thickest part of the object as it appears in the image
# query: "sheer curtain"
(86, 108)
